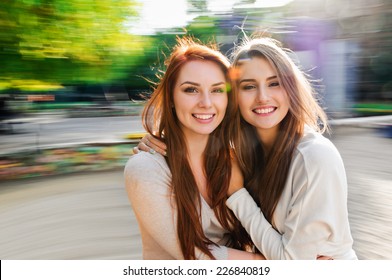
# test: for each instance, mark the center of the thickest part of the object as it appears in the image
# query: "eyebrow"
(272, 77)
(196, 84)
(253, 80)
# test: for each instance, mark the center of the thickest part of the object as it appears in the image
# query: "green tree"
(73, 41)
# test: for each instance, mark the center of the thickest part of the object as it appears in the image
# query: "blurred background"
(72, 79)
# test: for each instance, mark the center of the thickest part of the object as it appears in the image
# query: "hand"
(323, 258)
(150, 144)
(235, 254)
(236, 180)
(259, 257)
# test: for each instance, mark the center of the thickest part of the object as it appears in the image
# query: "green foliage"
(73, 41)
(45, 44)
(204, 28)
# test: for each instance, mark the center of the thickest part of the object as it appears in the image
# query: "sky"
(158, 14)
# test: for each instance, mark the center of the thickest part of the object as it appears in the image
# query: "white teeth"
(264, 111)
(203, 117)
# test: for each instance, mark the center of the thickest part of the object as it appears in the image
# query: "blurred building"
(345, 45)
(356, 53)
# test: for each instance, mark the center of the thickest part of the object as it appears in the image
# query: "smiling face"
(263, 102)
(200, 97)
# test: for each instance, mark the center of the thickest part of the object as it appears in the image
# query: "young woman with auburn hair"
(179, 200)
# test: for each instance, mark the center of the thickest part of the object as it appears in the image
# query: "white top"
(148, 179)
(311, 216)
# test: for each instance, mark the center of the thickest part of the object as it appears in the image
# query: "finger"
(324, 258)
(143, 147)
(155, 142)
(145, 144)
(150, 144)
(135, 150)
(150, 148)
(145, 137)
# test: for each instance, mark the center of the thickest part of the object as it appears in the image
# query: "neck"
(267, 138)
(196, 146)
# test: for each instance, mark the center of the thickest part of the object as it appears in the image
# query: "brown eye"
(248, 87)
(218, 90)
(190, 90)
(274, 84)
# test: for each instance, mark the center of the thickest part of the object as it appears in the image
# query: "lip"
(203, 118)
(264, 111)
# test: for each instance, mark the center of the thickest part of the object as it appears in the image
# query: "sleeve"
(219, 252)
(316, 222)
(147, 183)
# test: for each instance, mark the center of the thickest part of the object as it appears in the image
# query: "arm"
(234, 254)
(236, 179)
(150, 199)
(236, 183)
(315, 221)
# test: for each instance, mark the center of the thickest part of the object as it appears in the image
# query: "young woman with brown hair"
(295, 202)
(179, 200)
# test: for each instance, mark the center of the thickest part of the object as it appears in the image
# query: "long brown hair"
(265, 174)
(160, 120)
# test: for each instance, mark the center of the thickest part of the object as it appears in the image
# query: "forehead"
(255, 65)
(201, 70)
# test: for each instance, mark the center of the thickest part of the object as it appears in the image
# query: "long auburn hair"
(160, 119)
(265, 174)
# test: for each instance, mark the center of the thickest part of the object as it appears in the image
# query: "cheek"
(180, 109)
(180, 102)
(285, 100)
(222, 102)
(176, 100)
(245, 113)
(242, 103)
(226, 103)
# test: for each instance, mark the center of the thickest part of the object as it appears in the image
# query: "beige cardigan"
(311, 216)
(147, 181)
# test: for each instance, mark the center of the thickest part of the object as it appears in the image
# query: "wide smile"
(265, 110)
(203, 117)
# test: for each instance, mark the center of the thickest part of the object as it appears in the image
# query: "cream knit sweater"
(311, 217)
(147, 180)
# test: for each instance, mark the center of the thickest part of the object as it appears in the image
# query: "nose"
(262, 94)
(205, 100)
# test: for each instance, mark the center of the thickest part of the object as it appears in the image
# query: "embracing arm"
(315, 221)
(234, 254)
